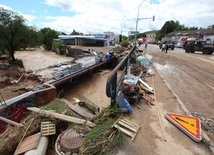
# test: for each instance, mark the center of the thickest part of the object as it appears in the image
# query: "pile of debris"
(62, 127)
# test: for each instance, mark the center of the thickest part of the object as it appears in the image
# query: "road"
(191, 78)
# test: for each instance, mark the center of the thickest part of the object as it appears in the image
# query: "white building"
(110, 38)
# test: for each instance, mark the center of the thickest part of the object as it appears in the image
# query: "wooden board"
(79, 110)
(90, 105)
(29, 143)
(127, 126)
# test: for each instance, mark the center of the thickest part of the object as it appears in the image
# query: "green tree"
(171, 26)
(48, 35)
(76, 33)
(12, 27)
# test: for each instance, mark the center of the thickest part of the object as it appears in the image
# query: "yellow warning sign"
(189, 125)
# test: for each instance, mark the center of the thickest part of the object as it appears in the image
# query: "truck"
(202, 46)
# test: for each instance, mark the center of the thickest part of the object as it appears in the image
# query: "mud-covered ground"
(182, 82)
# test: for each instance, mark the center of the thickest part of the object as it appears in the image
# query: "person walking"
(166, 48)
(163, 47)
(146, 44)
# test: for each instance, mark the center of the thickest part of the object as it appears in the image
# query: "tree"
(171, 26)
(12, 28)
(48, 36)
(76, 33)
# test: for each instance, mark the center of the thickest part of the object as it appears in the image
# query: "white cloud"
(120, 15)
(5, 7)
(29, 17)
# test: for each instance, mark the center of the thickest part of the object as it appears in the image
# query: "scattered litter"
(123, 104)
(127, 126)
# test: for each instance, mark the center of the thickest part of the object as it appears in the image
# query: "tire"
(192, 51)
(187, 51)
(206, 51)
(172, 48)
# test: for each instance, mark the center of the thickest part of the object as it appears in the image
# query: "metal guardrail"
(113, 84)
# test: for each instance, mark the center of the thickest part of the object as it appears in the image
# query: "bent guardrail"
(113, 84)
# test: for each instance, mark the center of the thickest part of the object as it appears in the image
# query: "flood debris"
(48, 128)
(28, 143)
(61, 116)
(68, 142)
(89, 104)
(126, 126)
(79, 109)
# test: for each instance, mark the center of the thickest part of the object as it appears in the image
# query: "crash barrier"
(113, 83)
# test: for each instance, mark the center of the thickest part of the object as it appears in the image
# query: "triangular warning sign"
(189, 125)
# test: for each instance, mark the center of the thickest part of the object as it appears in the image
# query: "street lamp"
(153, 19)
(137, 20)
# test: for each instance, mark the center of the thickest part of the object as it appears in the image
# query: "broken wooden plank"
(147, 98)
(10, 122)
(79, 110)
(29, 143)
(89, 104)
(61, 116)
(146, 86)
(31, 121)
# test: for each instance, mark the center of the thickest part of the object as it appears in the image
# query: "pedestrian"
(163, 47)
(166, 48)
(146, 44)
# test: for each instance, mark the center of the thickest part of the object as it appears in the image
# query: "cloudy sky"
(97, 16)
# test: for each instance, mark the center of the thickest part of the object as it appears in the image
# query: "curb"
(205, 139)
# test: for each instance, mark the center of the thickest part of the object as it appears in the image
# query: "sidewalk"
(157, 135)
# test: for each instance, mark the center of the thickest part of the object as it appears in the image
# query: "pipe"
(41, 148)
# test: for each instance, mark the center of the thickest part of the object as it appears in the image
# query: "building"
(150, 36)
(110, 38)
(201, 34)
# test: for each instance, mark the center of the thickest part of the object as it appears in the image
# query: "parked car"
(179, 45)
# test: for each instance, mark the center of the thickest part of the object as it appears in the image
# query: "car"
(179, 45)
(170, 45)
(201, 46)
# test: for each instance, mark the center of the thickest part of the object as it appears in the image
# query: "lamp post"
(137, 20)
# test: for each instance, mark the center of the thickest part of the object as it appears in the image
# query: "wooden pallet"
(127, 127)
(48, 128)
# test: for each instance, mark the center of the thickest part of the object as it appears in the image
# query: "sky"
(118, 16)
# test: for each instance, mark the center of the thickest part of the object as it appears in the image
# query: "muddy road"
(191, 76)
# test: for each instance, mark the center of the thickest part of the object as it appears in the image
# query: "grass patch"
(58, 106)
(102, 138)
